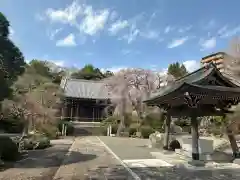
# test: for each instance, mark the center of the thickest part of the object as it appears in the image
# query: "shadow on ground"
(50, 157)
(82, 132)
(162, 173)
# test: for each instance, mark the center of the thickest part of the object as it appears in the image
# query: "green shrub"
(104, 130)
(37, 141)
(154, 120)
(8, 149)
(114, 129)
(133, 129)
(12, 125)
(183, 122)
(216, 131)
(51, 131)
(146, 131)
(125, 134)
(114, 120)
(70, 127)
(44, 142)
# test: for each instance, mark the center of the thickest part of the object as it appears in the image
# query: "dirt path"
(40, 164)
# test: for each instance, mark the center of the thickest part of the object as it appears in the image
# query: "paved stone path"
(89, 159)
(137, 156)
(39, 164)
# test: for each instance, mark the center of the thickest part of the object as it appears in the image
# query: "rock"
(236, 161)
(176, 129)
(156, 139)
(174, 145)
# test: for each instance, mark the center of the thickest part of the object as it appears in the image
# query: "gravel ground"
(39, 164)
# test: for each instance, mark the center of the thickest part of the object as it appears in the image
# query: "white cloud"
(81, 16)
(133, 30)
(191, 65)
(222, 30)
(178, 42)
(117, 26)
(185, 29)
(67, 41)
(133, 33)
(225, 33)
(114, 69)
(211, 24)
(53, 33)
(67, 15)
(208, 44)
(126, 51)
(163, 72)
(59, 63)
(113, 15)
(93, 21)
(151, 34)
(11, 31)
(168, 29)
(152, 17)
(88, 53)
(39, 17)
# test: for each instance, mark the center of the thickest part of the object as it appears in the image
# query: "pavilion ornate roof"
(199, 83)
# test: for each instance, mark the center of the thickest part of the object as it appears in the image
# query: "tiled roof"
(79, 88)
(192, 78)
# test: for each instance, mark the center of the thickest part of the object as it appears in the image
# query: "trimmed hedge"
(133, 129)
(146, 131)
(8, 149)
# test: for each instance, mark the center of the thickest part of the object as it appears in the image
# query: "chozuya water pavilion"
(205, 92)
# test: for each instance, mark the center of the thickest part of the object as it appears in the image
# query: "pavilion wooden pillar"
(195, 138)
(167, 132)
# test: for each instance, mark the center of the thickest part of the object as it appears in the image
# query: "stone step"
(86, 124)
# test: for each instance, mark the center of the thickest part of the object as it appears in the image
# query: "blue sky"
(113, 34)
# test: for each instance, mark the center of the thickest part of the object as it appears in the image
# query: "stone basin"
(205, 145)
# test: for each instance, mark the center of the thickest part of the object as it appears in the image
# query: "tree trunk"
(121, 126)
(26, 126)
(233, 143)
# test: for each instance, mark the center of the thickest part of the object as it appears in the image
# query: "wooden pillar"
(167, 132)
(77, 110)
(65, 110)
(195, 138)
(71, 109)
(93, 114)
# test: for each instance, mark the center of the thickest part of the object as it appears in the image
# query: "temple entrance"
(84, 110)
